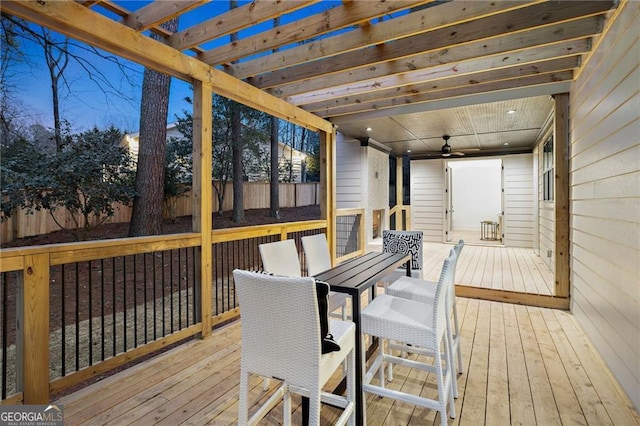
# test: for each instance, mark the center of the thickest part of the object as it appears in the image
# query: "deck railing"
(400, 217)
(71, 312)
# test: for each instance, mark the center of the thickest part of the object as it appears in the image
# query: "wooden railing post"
(202, 195)
(35, 329)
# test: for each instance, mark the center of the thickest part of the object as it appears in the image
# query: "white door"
(448, 171)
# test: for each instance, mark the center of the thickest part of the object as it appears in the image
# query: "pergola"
(358, 60)
(346, 62)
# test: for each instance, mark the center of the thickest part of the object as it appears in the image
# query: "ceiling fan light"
(446, 149)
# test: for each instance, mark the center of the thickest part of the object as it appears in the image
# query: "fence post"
(35, 330)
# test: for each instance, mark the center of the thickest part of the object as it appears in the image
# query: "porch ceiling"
(411, 70)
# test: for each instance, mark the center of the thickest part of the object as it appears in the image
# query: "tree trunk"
(56, 66)
(237, 148)
(238, 173)
(274, 188)
(146, 215)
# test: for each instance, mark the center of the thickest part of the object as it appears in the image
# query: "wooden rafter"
(234, 20)
(336, 18)
(523, 19)
(158, 12)
(356, 59)
(495, 61)
(536, 79)
(77, 21)
(447, 58)
(406, 93)
(124, 13)
(373, 35)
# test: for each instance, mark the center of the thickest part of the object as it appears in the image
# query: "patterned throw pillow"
(404, 242)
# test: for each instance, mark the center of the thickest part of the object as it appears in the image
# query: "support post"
(202, 195)
(35, 330)
(328, 187)
(561, 196)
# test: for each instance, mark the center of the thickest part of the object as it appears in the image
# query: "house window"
(547, 170)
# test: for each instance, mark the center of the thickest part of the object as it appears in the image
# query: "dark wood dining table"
(354, 277)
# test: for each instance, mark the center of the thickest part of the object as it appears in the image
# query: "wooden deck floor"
(490, 266)
(495, 267)
(523, 365)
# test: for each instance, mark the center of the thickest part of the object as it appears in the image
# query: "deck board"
(489, 266)
(523, 365)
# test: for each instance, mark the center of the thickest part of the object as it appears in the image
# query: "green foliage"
(178, 174)
(254, 133)
(285, 170)
(86, 177)
(313, 164)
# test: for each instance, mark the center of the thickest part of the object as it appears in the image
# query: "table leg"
(305, 411)
(360, 410)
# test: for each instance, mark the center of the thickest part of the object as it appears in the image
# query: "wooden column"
(561, 196)
(400, 225)
(328, 186)
(399, 181)
(202, 194)
(35, 329)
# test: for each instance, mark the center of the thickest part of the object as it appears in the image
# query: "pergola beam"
(521, 82)
(234, 20)
(382, 32)
(339, 17)
(511, 22)
(157, 13)
(81, 23)
(492, 62)
(406, 93)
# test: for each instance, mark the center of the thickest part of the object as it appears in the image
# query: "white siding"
(427, 198)
(519, 214)
(377, 191)
(349, 178)
(605, 199)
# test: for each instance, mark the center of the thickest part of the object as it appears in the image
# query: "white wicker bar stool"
(281, 258)
(416, 327)
(281, 340)
(424, 291)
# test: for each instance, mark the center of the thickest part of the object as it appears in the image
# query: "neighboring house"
(286, 154)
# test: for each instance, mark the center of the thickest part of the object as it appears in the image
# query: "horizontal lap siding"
(519, 212)
(427, 198)
(349, 182)
(605, 199)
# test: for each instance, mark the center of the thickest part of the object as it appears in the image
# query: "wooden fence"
(256, 196)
